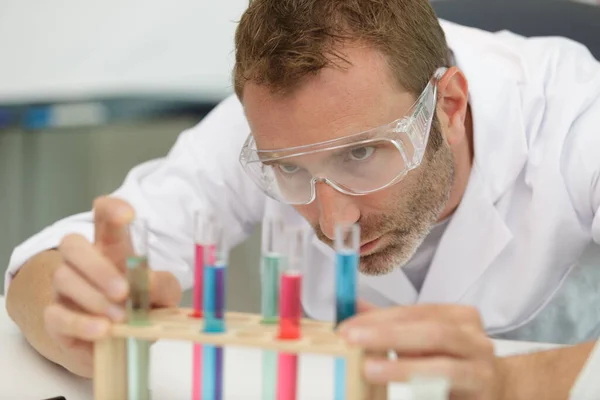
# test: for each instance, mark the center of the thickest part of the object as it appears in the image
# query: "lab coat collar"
(477, 233)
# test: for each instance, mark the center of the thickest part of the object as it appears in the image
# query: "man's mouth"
(368, 247)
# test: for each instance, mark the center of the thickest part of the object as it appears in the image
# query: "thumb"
(363, 306)
(111, 219)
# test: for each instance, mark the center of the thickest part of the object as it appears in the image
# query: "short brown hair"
(281, 42)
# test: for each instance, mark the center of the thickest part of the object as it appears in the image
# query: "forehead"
(332, 104)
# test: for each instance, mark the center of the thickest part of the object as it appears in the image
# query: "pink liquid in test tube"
(290, 307)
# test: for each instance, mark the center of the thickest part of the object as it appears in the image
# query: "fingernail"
(358, 335)
(116, 313)
(118, 288)
(125, 212)
(373, 369)
(96, 328)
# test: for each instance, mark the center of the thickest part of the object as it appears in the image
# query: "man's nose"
(334, 208)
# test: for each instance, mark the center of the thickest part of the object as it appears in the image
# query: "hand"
(90, 287)
(429, 340)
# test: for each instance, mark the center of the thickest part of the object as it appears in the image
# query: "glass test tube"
(291, 285)
(202, 224)
(203, 220)
(272, 262)
(138, 307)
(215, 265)
(291, 312)
(347, 247)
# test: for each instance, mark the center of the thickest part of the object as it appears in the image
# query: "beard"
(412, 213)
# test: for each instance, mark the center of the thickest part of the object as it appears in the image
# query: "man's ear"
(363, 306)
(453, 101)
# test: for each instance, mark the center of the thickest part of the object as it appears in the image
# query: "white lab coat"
(513, 245)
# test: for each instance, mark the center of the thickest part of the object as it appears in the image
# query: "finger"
(69, 284)
(95, 267)
(363, 306)
(61, 321)
(466, 378)
(422, 338)
(111, 219)
(453, 314)
(165, 290)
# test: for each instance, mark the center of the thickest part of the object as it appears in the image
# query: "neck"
(463, 162)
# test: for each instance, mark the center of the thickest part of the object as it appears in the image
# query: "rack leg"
(355, 382)
(357, 388)
(110, 369)
(376, 392)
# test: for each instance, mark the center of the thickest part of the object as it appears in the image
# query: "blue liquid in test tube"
(346, 267)
(347, 246)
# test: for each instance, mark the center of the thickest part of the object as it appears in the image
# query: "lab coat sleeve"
(200, 171)
(581, 155)
(587, 384)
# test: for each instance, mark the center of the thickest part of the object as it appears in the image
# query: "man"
(469, 159)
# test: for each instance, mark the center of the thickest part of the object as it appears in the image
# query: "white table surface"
(25, 375)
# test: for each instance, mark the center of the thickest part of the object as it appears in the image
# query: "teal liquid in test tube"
(138, 307)
(271, 265)
(347, 247)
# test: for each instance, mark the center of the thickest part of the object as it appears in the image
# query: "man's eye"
(361, 153)
(288, 168)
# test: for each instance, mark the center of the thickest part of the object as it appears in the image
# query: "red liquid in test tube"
(290, 309)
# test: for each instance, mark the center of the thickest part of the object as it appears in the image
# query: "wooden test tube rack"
(110, 370)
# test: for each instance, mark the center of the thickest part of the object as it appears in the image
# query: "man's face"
(337, 103)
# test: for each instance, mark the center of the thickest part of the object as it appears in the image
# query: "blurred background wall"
(89, 89)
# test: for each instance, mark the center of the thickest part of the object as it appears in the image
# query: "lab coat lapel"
(472, 240)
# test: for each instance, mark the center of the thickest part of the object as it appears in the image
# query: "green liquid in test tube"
(138, 307)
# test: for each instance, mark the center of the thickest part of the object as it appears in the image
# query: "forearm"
(547, 375)
(28, 295)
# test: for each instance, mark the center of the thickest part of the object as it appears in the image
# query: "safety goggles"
(355, 165)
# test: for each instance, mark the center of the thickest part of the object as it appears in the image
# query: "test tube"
(215, 265)
(203, 221)
(138, 307)
(291, 285)
(347, 245)
(271, 264)
(291, 312)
